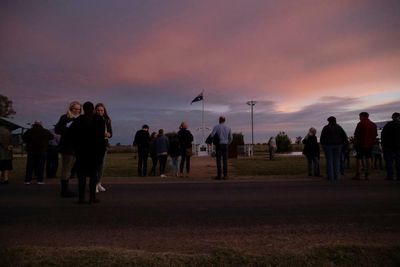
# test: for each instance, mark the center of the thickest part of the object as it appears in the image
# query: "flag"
(197, 98)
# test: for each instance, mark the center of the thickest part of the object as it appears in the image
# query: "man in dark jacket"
(142, 141)
(391, 146)
(87, 133)
(37, 139)
(333, 137)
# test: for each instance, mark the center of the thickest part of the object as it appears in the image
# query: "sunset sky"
(302, 61)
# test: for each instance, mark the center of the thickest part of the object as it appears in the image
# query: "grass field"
(125, 164)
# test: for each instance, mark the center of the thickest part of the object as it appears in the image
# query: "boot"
(65, 191)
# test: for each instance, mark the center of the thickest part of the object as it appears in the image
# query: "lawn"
(125, 164)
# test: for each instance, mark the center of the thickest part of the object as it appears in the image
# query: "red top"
(365, 134)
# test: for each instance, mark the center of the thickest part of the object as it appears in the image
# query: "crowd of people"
(81, 141)
(365, 143)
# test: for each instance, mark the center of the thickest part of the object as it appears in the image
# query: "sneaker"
(41, 183)
(97, 189)
(101, 188)
(163, 176)
(27, 183)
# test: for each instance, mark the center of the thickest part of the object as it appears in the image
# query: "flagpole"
(202, 118)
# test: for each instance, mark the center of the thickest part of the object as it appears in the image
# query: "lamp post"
(252, 103)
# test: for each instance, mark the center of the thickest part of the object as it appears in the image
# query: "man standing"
(87, 133)
(332, 139)
(142, 141)
(223, 134)
(364, 139)
(37, 139)
(391, 146)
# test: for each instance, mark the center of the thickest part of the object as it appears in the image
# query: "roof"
(9, 125)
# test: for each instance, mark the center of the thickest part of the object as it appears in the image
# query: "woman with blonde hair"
(65, 146)
(102, 112)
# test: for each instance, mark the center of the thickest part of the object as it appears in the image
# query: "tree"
(6, 109)
(283, 143)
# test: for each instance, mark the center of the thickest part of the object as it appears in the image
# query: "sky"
(302, 61)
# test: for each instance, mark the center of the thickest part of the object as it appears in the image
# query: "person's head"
(160, 132)
(101, 110)
(183, 125)
(37, 124)
(221, 119)
(332, 120)
(74, 109)
(153, 135)
(364, 115)
(312, 131)
(145, 127)
(88, 108)
(396, 116)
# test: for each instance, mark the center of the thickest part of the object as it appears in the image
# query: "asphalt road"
(196, 216)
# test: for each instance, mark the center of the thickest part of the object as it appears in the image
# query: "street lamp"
(252, 103)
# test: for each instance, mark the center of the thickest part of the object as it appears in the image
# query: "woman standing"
(65, 146)
(312, 152)
(6, 154)
(162, 147)
(185, 144)
(102, 112)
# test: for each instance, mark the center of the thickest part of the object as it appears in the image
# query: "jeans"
(392, 156)
(313, 166)
(174, 162)
(332, 155)
(222, 153)
(35, 164)
(163, 161)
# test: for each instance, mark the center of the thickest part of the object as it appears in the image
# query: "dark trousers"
(392, 157)
(163, 161)
(313, 166)
(82, 185)
(222, 153)
(143, 155)
(184, 158)
(51, 162)
(154, 160)
(35, 163)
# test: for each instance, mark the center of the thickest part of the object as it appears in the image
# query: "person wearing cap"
(223, 134)
(364, 140)
(37, 139)
(332, 139)
(142, 141)
(391, 146)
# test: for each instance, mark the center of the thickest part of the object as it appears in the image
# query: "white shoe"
(27, 183)
(101, 188)
(163, 176)
(97, 188)
(41, 183)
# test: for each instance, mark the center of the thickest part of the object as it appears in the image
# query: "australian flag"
(197, 98)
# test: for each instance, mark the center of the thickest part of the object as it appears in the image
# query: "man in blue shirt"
(223, 134)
